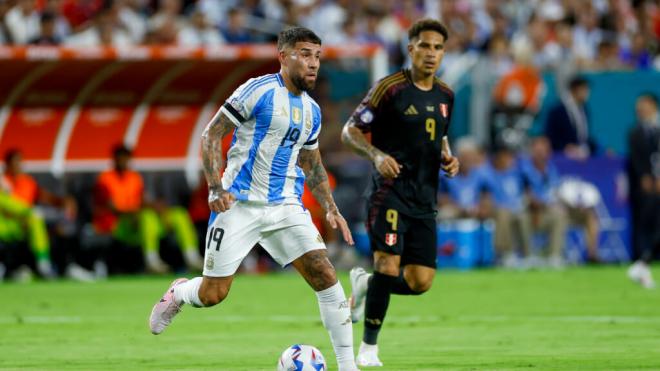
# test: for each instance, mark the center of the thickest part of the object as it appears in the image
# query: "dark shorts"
(414, 239)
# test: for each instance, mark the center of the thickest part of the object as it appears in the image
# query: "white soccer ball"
(301, 357)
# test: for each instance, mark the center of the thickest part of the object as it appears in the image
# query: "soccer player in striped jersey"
(258, 198)
(407, 114)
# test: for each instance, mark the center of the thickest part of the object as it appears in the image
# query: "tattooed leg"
(316, 269)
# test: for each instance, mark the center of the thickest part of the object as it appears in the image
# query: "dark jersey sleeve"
(365, 113)
(369, 111)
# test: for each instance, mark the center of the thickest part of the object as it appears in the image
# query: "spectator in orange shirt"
(20, 221)
(517, 98)
(120, 209)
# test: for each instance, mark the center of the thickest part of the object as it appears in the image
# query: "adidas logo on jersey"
(281, 112)
(411, 110)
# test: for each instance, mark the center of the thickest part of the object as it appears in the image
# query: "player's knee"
(386, 266)
(420, 286)
(388, 270)
(212, 297)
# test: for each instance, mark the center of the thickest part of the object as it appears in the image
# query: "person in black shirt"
(48, 36)
(644, 181)
(407, 114)
(567, 125)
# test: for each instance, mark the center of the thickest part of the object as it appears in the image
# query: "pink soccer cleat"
(165, 310)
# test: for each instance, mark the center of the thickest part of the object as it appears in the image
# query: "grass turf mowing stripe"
(579, 318)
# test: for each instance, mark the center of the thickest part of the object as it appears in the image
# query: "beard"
(302, 84)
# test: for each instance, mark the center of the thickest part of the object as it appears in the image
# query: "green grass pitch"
(576, 319)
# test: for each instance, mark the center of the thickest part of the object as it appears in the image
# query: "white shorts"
(286, 232)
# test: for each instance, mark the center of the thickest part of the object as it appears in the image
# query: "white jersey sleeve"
(312, 141)
(240, 106)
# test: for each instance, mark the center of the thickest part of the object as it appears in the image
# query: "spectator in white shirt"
(198, 32)
(23, 21)
(106, 30)
(132, 17)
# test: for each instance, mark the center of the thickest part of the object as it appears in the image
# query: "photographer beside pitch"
(407, 114)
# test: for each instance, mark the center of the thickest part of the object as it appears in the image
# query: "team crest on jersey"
(308, 121)
(296, 115)
(209, 262)
(444, 110)
(390, 239)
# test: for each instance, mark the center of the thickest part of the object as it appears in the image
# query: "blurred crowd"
(123, 227)
(594, 34)
(125, 221)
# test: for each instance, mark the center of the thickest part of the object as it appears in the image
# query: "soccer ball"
(301, 358)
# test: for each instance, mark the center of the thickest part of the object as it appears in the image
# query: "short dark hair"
(577, 82)
(48, 17)
(427, 24)
(650, 96)
(11, 154)
(290, 36)
(121, 150)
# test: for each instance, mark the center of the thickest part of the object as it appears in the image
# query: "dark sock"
(647, 256)
(378, 298)
(401, 287)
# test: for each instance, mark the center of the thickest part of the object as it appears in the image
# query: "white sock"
(188, 292)
(336, 317)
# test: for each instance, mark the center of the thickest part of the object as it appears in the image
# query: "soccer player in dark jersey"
(407, 114)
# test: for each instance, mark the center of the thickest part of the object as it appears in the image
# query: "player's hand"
(220, 200)
(449, 165)
(387, 165)
(337, 221)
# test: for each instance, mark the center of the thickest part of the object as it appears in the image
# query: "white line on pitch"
(312, 318)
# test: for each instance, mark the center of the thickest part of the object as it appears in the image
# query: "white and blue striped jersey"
(272, 125)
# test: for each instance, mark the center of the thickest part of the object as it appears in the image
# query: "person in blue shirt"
(235, 31)
(512, 225)
(542, 179)
(464, 196)
(548, 213)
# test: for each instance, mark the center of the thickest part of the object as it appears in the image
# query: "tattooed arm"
(219, 199)
(316, 178)
(353, 137)
(317, 182)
